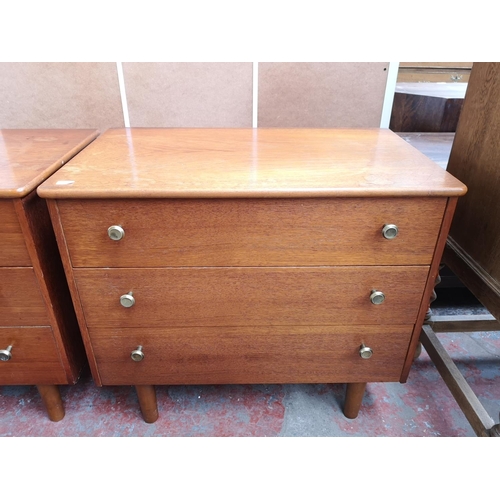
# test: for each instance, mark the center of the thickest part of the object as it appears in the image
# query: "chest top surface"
(28, 157)
(258, 163)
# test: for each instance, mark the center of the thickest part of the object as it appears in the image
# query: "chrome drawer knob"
(377, 297)
(365, 352)
(390, 231)
(127, 300)
(116, 233)
(5, 354)
(137, 354)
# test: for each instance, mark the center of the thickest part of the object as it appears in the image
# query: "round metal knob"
(137, 354)
(390, 231)
(116, 232)
(365, 352)
(127, 300)
(5, 354)
(377, 297)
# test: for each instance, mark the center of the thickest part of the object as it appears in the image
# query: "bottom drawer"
(250, 355)
(34, 357)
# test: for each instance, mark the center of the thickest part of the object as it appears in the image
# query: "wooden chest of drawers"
(250, 256)
(40, 341)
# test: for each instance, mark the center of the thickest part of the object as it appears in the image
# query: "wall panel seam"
(390, 89)
(255, 95)
(123, 94)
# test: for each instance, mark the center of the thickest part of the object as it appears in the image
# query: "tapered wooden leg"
(52, 401)
(147, 402)
(353, 397)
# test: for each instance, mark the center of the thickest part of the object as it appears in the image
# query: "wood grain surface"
(36, 315)
(35, 359)
(418, 113)
(354, 398)
(68, 270)
(475, 159)
(21, 302)
(13, 252)
(250, 355)
(427, 107)
(28, 157)
(429, 286)
(451, 72)
(214, 163)
(251, 254)
(51, 398)
(41, 243)
(250, 296)
(251, 232)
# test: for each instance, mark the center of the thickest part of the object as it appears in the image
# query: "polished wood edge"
(354, 398)
(147, 402)
(22, 250)
(51, 398)
(470, 405)
(47, 172)
(429, 286)
(98, 193)
(40, 241)
(75, 297)
(441, 185)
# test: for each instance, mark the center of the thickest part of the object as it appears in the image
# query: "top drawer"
(251, 232)
(13, 251)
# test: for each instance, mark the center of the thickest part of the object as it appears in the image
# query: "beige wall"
(321, 94)
(87, 95)
(60, 95)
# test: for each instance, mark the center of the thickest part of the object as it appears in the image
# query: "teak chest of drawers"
(40, 341)
(241, 256)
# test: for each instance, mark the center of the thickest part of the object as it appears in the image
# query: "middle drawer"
(21, 302)
(250, 296)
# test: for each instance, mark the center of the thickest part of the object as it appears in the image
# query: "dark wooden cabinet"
(473, 249)
(427, 107)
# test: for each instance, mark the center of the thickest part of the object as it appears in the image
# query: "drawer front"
(250, 296)
(13, 251)
(21, 302)
(34, 357)
(251, 232)
(260, 355)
